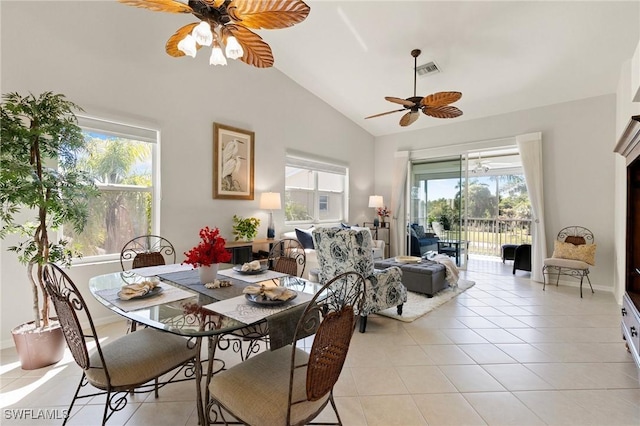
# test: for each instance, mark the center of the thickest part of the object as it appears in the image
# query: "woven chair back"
(147, 250)
(288, 256)
(576, 235)
(332, 315)
(68, 303)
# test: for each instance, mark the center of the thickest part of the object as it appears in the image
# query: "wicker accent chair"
(132, 363)
(147, 250)
(289, 386)
(344, 250)
(287, 256)
(574, 252)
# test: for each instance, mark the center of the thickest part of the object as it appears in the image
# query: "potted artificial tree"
(40, 140)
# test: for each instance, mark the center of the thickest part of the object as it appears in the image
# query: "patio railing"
(486, 236)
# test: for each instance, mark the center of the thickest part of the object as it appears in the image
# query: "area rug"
(418, 304)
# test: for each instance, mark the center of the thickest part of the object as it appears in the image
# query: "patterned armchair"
(346, 250)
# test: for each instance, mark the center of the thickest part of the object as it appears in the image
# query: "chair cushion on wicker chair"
(566, 263)
(125, 364)
(256, 391)
(584, 252)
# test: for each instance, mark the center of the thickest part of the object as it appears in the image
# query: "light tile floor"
(502, 353)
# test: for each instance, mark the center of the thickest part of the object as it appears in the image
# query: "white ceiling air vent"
(427, 69)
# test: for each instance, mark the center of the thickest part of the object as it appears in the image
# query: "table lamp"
(376, 201)
(270, 201)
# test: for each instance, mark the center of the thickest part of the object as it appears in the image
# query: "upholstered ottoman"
(425, 277)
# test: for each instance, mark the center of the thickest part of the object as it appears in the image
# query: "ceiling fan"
(434, 105)
(227, 23)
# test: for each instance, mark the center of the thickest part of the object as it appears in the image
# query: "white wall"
(96, 54)
(578, 162)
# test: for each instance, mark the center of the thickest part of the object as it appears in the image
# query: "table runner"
(169, 294)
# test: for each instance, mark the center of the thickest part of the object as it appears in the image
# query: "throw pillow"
(344, 225)
(305, 237)
(420, 231)
(583, 252)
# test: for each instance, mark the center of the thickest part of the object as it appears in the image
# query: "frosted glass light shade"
(270, 201)
(188, 46)
(376, 201)
(202, 34)
(217, 57)
(233, 49)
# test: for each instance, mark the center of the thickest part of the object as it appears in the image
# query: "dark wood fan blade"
(256, 51)
(384, 113)
(409, 118)
(172, 44)
(400, 101)
(446, 111)
(440, 99)
(171, 6)
(270, 15)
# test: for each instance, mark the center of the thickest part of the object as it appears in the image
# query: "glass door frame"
(456, 242)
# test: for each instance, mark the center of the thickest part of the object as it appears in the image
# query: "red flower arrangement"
(210, 250)
(383, 211)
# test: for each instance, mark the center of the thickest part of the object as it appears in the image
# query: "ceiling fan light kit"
(436, 105)
(227, 23)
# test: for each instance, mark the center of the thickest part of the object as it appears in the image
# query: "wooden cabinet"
(629, 147)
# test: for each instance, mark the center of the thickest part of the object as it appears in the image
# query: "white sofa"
(312, 259)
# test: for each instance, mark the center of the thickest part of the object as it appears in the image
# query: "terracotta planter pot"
(37, 349)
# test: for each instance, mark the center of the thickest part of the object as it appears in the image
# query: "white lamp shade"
(217, 57)
(270, 201)
(202, 34)
(188, 46)
(376, 201)
(233, 49)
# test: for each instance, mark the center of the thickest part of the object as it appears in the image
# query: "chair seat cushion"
(566, 263)
(139, 357)
(257, 390)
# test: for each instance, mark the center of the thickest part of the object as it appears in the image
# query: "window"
(315, 191)
(122, 160)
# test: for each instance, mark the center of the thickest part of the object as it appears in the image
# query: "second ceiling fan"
(434, 105)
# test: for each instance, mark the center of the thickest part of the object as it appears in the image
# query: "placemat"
(151, 271)
(267, 275)
(169, 294)
(239, 308)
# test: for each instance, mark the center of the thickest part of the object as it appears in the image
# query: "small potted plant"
(40, 140)
(245, 229)
(208, 254)
(384, 213)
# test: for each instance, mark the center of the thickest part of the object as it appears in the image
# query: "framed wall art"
(233, 159)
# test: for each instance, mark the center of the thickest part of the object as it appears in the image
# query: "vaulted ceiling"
(502, 55)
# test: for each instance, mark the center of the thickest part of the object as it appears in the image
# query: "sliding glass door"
(437, 208)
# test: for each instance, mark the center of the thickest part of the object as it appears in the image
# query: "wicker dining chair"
(129, 364)
(287, 256)
(289, 386)
(147, 250)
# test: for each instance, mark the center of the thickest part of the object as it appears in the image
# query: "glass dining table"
(184, 306)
